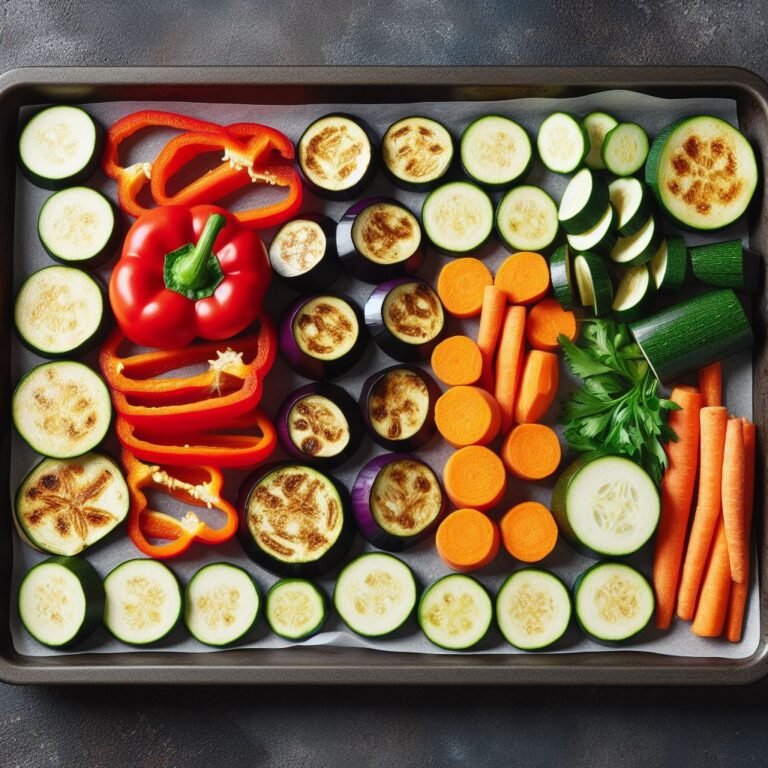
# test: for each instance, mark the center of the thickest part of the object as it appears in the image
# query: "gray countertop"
(381, 727)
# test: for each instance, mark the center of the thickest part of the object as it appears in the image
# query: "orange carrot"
(491, 320)
(677, 488)
(712, 425)
(531, 451)
(713, 603)
(457, 361)
(467, 416)
(546, 321)
(509, 363)
(524, 277)
(467, 540)
(474, 477)
(734, 470)
(538, 386)
(711, 384)
(739, 592)
(529, 531)
(461, 285)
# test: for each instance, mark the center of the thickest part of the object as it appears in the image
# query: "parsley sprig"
(618, 410)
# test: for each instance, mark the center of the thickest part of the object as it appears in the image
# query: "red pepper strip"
(220, 447)
(200, 486)
(132, 179)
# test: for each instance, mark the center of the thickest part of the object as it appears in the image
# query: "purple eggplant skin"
(359, 266)
(331, 559)
(427, 430)
(369, 529)
(356, 189)
(396, 348)
(312, 367)
(347, 406)
(328, 270)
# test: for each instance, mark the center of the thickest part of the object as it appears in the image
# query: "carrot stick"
(491, 320)
(461, 286)
(474, 477)
(457, 361)
(509, 363)
(529, 532)
(713, 425)
(467, 540)
(538, 386)
(739, 592)
(713, 603)
(546, 321)
(734, 470)
(711, 384)
(524, 277)
(467, 416)
(531, 451)
(677, 488)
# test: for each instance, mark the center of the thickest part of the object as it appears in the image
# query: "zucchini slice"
(221, 604)
(635, 293)
(59, 311)
(143, 601)
(375, 594)
(593, 282)
(533, 609)
(457, 217)
(625, 149)
(597, 124)
(600, 238)
(417, 152)
(606, 506)
(63, 506)
(78, 226)
(562, 143)
(637, 249)
(583, 202)
(725, 265)
(61, 409)
(61, 601)
(669, 265)
(495, 151)
(630, 199)
(296, 609)
(613, 602)
(455, 612)
(59, 146)
(526, 219)
(702, 171)
(696, 332)
(561, 277)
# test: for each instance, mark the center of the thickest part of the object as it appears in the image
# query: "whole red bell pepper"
(188, 272)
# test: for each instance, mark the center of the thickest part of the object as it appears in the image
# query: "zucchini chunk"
(457, 217)
(598, 239)
(593, 282)
(63, 506)
(635, 293)
(417, 152)
(725, 265)
(560, 274)
(526, 219)
(669, 265)
(296, 609)
(637, 249)
(62, 409)
(583, 202)
(630, 199)
(495, 151)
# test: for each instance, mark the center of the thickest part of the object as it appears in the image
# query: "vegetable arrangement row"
(190, 283)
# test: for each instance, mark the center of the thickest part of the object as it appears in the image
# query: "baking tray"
(290, 85)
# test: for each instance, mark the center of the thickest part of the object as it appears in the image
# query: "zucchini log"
(725, 265)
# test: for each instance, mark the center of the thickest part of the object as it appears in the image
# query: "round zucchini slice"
(296, 609)
(526, 219)
(495, 151)
(637, 249)
(562, 143)
(630, 199)
(598, 239)
(583, 202)
(457, 217)
(597, 125)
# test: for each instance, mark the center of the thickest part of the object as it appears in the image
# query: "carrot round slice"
(531, 451)
(524, 277)
(475, 477)
(457, 361)
(467, 540)
(467, 416)
(546, 321)
(461, 285)
(529, 531)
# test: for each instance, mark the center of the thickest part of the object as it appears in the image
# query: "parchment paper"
(653, 113)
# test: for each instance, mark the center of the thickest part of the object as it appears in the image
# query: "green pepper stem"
(191, 270)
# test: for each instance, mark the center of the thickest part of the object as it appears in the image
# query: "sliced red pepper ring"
(242, 441)
(199, 486)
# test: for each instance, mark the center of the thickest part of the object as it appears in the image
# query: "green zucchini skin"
(601, 283)
(677, 266)
(693, 333)
(558, 505)
(725, 265)
(562, 277)
(643, 306)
